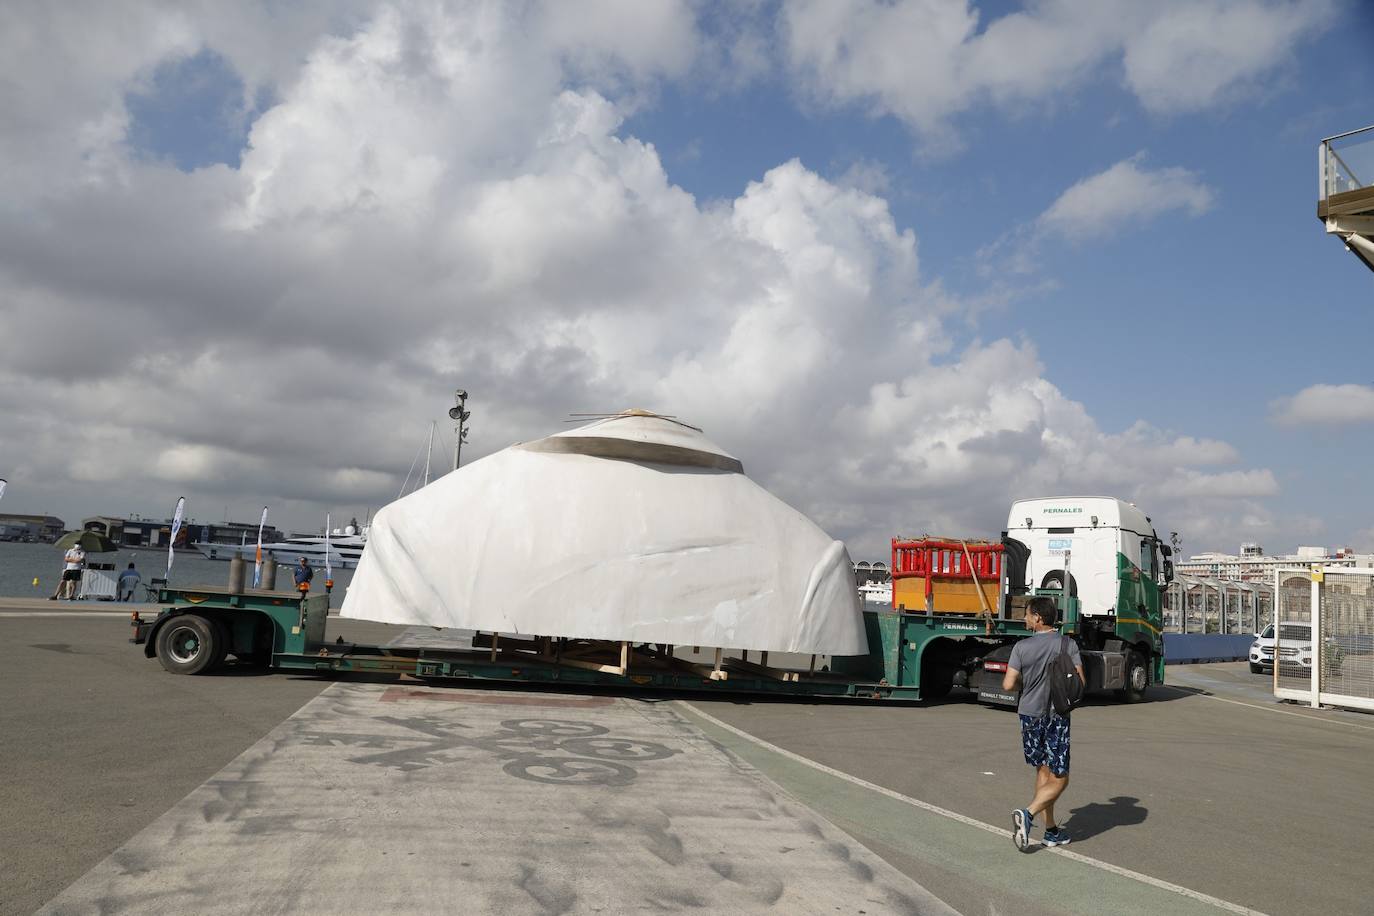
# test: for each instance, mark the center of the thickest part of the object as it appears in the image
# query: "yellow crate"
(948, 597)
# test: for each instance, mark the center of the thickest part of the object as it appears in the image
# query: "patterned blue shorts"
(1045, 740)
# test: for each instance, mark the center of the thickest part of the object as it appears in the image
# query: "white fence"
(1324, 653)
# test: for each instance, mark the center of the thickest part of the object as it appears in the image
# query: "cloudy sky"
(908, 260)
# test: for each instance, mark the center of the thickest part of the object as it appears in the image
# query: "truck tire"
(1256, 669)
(1137, 679)
(188, 644)
(1055, 580)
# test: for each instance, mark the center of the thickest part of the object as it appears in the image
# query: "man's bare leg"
(1048, 788)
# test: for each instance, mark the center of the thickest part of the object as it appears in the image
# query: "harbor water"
(20, 564)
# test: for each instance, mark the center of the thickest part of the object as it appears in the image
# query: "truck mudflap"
(995, 695)
(141, 629)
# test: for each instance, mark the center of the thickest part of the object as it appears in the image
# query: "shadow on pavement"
(1094, 818)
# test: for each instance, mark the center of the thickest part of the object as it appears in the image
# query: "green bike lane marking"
(1056, 880)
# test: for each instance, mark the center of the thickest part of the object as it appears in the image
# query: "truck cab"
(1104, 552)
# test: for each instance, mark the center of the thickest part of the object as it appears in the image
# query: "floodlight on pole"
(459, 414)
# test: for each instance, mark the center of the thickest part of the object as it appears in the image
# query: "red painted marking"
(392, 694)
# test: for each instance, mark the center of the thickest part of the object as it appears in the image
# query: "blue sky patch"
(192, 113)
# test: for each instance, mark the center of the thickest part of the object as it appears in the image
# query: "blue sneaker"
(1056, 836)
(1021, 823)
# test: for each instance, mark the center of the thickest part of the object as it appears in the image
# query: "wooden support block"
(812, 669)
(495, 640)
(763, 660)
(592, 666)
(745, 656)
(716, 673)
(624, 657)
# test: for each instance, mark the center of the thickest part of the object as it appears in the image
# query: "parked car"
(1295, 650)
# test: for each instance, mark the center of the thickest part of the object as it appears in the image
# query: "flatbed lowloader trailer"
(910, 654)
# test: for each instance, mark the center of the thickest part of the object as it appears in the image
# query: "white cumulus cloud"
(925, 61)
(1326, 405)
(1127, 194)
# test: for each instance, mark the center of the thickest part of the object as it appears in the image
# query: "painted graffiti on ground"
(554, 751)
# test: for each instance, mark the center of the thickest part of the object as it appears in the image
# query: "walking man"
(1044, 733)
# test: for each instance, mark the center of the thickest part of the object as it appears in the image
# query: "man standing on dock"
(73, 562)
(1044, 733)
(304, 573)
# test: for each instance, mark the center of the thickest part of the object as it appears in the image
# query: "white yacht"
(876, 592)
(345, 548)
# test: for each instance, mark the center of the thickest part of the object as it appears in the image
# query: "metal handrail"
(1348, 133)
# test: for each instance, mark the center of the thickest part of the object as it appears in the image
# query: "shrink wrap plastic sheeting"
(632, 528)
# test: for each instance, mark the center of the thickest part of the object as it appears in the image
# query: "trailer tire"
(188, 644)
(223, 641)
(1137, 679)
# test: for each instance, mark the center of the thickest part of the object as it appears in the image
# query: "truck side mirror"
(1168, 571)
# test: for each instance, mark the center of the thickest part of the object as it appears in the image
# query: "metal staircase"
(1346, 193)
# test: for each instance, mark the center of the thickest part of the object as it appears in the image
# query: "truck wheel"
(188, 644)
(1137, 679)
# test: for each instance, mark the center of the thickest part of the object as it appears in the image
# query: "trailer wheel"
(1137, 679)
(188, 644)
(222, 642)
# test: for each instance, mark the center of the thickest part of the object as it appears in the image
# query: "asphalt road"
(1228, 794)
(1263, 805)
(98, 741)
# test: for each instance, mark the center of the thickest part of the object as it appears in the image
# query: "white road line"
(124, 614)
(1281, 712)
(973, 822)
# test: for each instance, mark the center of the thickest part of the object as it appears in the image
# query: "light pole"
(459, 414)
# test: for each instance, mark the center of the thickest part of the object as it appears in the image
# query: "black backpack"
(1066, 687)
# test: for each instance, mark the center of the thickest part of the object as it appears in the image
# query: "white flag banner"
(176, 529)
(328, 567)
(257, 562)
(3, 484)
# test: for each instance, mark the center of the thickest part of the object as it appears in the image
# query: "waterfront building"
(148, 532)
(45, 528)
(875, 572)
(1253, 565)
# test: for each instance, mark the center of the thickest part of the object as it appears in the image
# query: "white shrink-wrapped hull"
(635, 528)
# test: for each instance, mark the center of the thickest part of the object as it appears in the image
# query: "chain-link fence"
(1347, 630)
(1287, 646)
(1324, 640)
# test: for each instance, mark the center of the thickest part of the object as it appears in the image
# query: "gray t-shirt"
(1032, 656)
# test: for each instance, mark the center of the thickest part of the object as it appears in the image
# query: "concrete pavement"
(397, 799)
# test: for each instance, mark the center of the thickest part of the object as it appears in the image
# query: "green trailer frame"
(911, 656)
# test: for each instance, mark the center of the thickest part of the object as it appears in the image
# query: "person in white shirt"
(74, 561)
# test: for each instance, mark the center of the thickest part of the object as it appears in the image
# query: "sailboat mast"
(429, 451)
